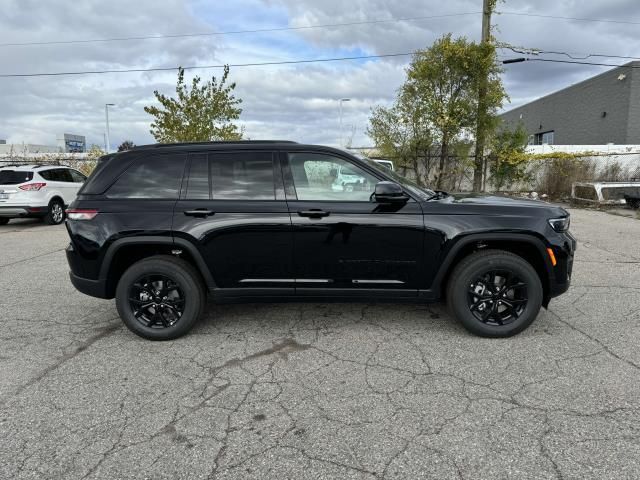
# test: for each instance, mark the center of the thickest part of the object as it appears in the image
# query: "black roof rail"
(220, 142)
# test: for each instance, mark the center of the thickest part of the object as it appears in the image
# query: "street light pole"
(107, 146)
(342, 100)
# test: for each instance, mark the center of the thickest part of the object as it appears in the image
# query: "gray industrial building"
(597, 111)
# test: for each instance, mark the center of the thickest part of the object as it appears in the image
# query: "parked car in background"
(159, 227)
(37, 191)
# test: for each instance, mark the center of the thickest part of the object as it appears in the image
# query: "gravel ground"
(320, 390)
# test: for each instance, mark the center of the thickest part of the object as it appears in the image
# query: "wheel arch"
(527, 246)
(125, 251)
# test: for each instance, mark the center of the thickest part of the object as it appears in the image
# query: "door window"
(77, 176)
(64, 175)
(242, 176)
(325, 177)
(155, 177)
(198, 181)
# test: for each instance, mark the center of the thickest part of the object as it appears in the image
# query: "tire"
(166, 325)
(4, 221)
(467, 289)
(55, 213)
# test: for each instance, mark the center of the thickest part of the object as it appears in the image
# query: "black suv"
(160, 226)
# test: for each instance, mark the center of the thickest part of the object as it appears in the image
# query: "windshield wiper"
(437, 195)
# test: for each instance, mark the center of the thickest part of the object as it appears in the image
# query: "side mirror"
(389, 192)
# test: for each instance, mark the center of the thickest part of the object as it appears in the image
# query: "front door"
(232, 207)
(344, 243)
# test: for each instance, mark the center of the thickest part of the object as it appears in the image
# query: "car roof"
(226, 145)
(32, 167)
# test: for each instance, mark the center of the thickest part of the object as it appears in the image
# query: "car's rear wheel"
(494, 293)
(4, 221)
(55, 213)
(160, 298)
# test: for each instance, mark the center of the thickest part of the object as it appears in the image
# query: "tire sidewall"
(458, 300)
(192, 290)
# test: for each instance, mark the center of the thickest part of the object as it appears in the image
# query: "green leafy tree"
(202, 113)
(126, 145)
(401, 133)
(444, 80)
(509, 160)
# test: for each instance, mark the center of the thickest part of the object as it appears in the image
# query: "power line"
(235, 32)
(193, 67)
(573, 56)
(575, 62)
(555, 17)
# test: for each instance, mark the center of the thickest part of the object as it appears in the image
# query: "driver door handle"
(199, 212)
(313, 213)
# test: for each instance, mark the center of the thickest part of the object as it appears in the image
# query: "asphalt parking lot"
(320, 390)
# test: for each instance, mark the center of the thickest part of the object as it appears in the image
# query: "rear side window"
(242, 176)
(156, 177)
(14, 177)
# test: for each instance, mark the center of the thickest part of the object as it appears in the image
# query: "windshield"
(422, 192)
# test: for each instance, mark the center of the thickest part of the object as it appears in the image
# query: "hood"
(497, 200)
(481, 203)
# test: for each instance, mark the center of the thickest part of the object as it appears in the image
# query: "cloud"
(288, 102)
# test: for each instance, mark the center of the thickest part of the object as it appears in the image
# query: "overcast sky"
(285, 102)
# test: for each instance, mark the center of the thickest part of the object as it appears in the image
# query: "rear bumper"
(16, 211)
(88, 286)
(93, 288)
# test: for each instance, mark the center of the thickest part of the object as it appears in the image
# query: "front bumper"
(561, 277)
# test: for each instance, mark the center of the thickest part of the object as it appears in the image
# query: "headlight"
(560, 224)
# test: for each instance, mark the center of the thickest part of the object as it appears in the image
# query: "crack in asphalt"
(65, 358)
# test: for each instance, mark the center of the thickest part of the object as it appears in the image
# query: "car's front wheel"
(55, 213)
(160, 298)
(494, 293)
(4, 221)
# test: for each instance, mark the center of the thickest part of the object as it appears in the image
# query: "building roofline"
(573, 85)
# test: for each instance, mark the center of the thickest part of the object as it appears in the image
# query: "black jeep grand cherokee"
(159, 226)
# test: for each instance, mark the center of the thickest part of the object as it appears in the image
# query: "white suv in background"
(37, 191)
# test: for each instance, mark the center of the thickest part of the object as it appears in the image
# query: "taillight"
(81, 214)
(29, 187)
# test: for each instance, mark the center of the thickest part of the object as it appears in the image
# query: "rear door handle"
(313, 213)
(199, 212)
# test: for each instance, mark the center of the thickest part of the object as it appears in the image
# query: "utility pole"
(107, 141)
(341, 101)
(487, 7)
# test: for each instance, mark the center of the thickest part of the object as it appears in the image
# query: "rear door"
(66, 185)
(233, 208)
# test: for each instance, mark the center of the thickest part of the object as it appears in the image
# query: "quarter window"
(324, 177)
(156, 177)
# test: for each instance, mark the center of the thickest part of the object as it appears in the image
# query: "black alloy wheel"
(160, 297)
(497, 297)
(157, 301)
(494, 293)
